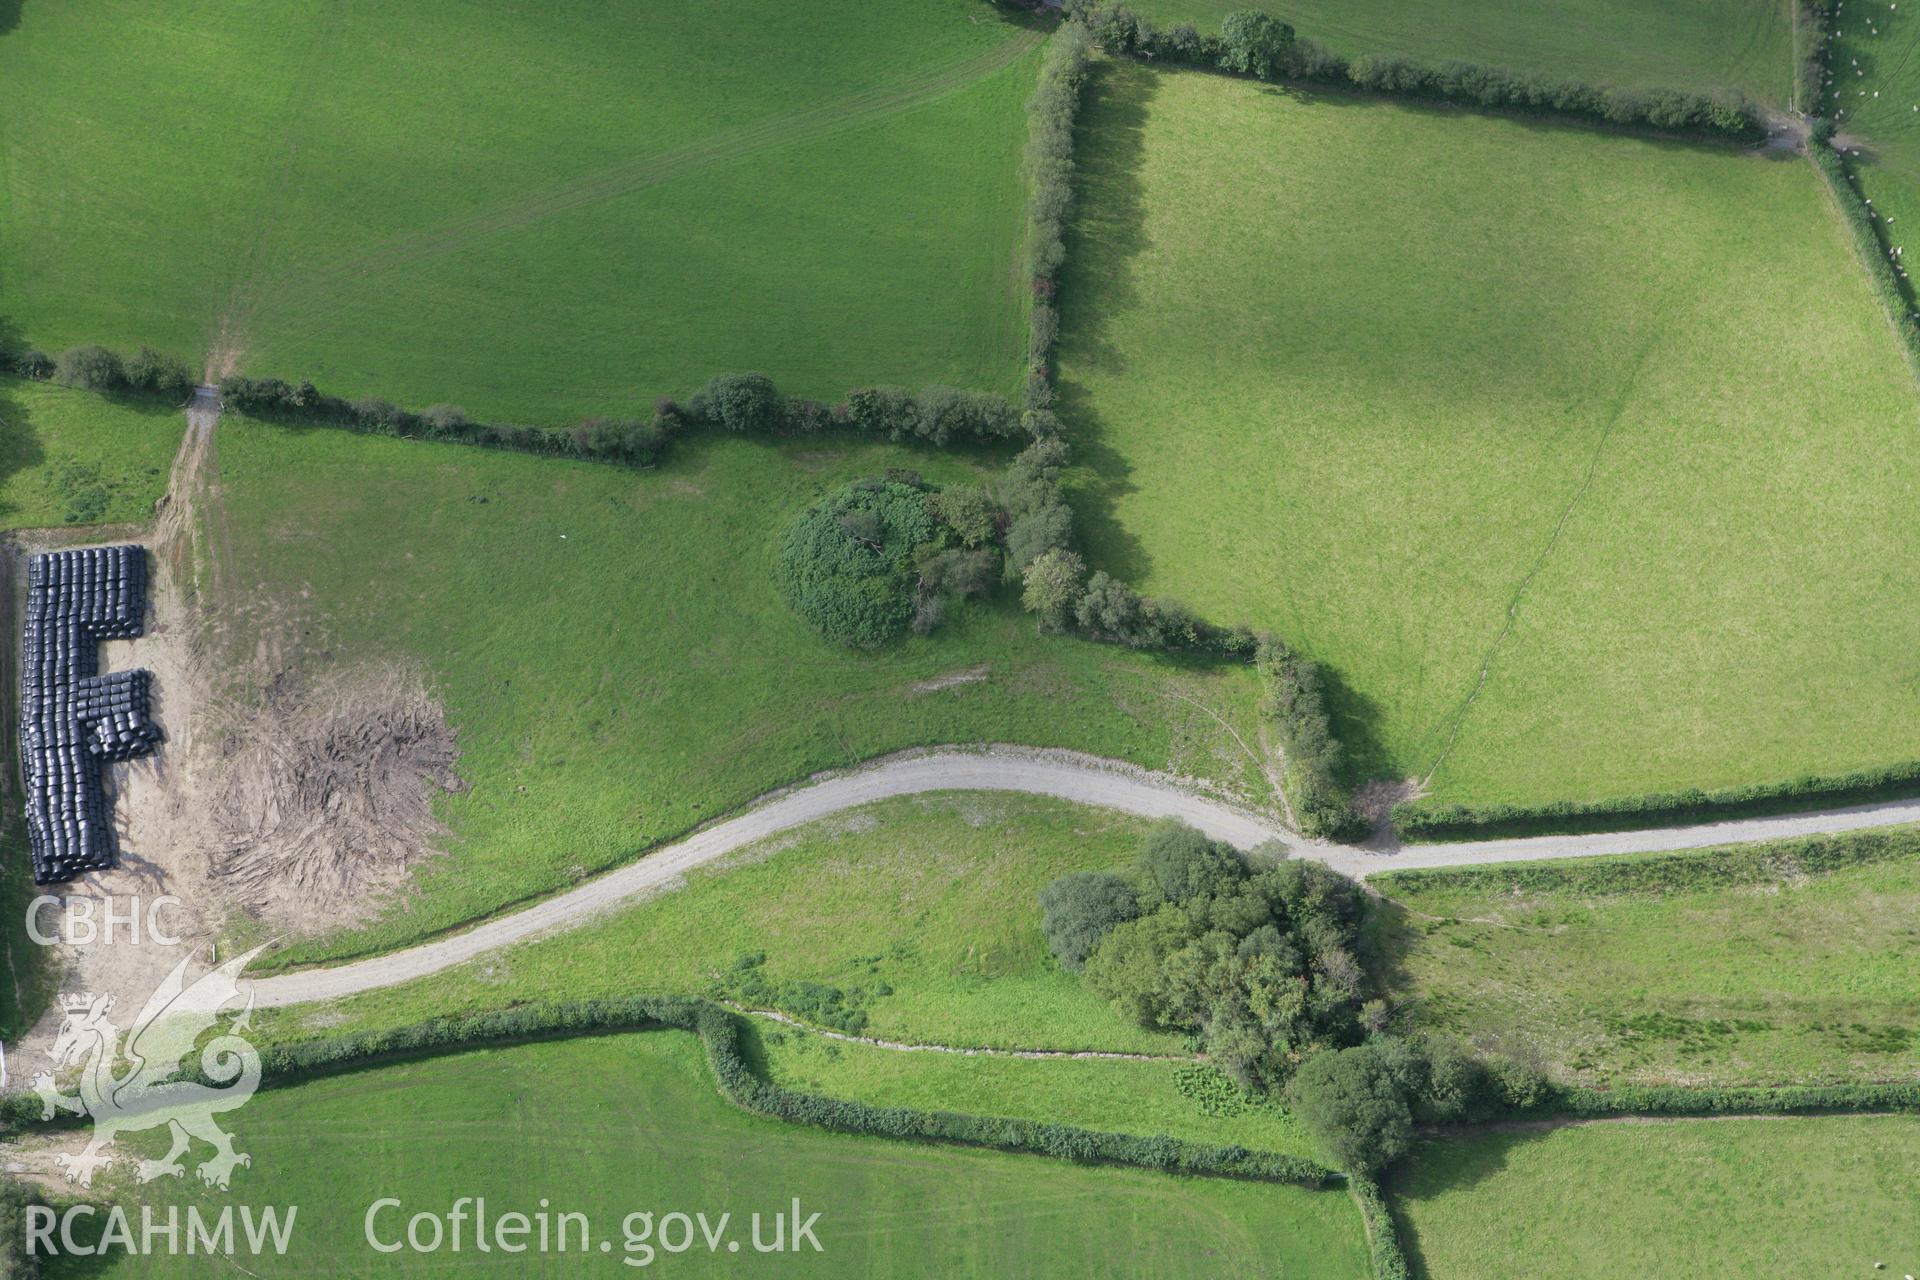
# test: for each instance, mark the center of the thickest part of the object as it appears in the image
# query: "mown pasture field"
(1742, 45)
(1637, 453)
(614, 658)
(1743, 965)
(1817, 1196)
(67, 459)
(534, 212)
(613, 1125)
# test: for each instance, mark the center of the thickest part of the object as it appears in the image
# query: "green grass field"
(535, 212)
(1875, 60)
(612, 653)
(58, 446)
(1769, 975)
(614, 1125)
(1816, 1197)
(1638, 451)
(1745, 45)
(930, 897)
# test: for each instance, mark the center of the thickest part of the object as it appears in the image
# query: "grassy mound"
(1636, 453)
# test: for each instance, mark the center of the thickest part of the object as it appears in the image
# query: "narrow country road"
(1082, 779)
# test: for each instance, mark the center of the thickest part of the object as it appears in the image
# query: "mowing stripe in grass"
(303, 284)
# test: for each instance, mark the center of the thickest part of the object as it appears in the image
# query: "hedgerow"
(1252, 42)
(1385, 1259)
(1677, 1100)
(95, 368)
(1049, 165)
(741, 403)
(1732, 867)
(1419, 820)
(1875, 252)
(1293, 701)
(1814, 19)
(720, 1031)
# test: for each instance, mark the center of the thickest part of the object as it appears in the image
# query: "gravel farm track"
(1082, 779)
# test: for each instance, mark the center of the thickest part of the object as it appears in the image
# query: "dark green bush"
(739, 402)
(846, 565)
(1352, 1105)
(1078, 908)
(90, 368)
(159, 375)
(1253, 43)
(1182, 863)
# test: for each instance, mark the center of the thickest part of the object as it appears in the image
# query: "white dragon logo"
(146, 1096)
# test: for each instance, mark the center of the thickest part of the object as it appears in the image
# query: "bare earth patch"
(972, 675)
(327, 799)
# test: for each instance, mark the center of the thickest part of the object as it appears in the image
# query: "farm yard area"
(1079, 644)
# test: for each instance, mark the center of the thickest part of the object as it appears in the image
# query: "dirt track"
(1083, 779)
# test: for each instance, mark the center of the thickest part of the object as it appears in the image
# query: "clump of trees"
(882, 555)
(1361, 1104)
(846, 565)
(1257, 960)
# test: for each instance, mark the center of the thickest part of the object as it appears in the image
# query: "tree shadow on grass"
(1107, 233)
(1357, 717)
(9, 15)
(1449, 1162)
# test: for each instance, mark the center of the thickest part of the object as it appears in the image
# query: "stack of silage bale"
(71, 717)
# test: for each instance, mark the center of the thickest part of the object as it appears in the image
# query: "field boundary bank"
(1062, 775)
(978, 1051)
(719, 1030)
